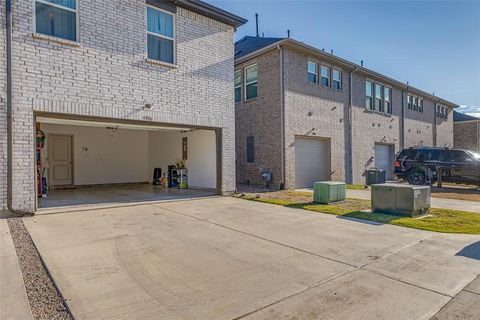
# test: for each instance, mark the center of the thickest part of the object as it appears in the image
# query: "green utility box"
(401, 199)
(329, 191)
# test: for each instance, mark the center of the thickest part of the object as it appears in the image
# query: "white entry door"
(60, 159)
(312, 161)
(384, 158)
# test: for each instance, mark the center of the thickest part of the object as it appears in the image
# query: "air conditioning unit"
(375, 176)
(329, 191)
(401, 199)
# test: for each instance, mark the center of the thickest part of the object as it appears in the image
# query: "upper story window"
(415, 103)
(369, 95)
(56, 18)
(378, 97)
(251, 81)
(442, 111)
(337, 79)
(160, 35)
(238, 85)
(312, 72)
(387, 99)
(325, 74)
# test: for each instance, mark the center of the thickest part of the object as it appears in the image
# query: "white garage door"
(384, 158)
(312, 161)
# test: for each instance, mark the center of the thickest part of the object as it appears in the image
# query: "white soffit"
(108, 124)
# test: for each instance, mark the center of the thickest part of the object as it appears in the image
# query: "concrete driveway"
(225, 258)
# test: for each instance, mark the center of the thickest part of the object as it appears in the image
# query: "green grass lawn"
(439, 220)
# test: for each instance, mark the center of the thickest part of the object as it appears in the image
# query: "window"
(160, 35)
(250, 149)
(312, 72)
(415, 103)
(238, 86)
(369, 95)
(387, 99)
(325, 71)
(442, 111)
(378, 97)
(251, 80)
(337, 79)
(56, 18)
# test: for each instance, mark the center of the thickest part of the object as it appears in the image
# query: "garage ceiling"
(108, 124)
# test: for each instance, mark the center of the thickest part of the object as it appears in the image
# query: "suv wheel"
(416, 177)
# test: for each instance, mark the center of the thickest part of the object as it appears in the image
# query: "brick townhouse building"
(103, 92)
(466, 132)
(308, 115)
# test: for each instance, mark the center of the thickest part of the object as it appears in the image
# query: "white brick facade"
(107, 76)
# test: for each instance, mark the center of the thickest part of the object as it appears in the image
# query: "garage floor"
(116, 195)
(225, 258)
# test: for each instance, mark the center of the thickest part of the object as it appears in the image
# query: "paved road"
(226, 258)
(13, 298)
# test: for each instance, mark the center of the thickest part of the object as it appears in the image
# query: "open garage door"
(86, 162)
(384, 158)
(312, 161)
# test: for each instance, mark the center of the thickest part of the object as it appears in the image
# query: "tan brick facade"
(466, 135)
(314, 111)
(106, 75)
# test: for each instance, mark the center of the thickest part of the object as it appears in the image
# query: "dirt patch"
(45, 300)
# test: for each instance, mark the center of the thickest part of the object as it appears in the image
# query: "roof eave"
(210, 11)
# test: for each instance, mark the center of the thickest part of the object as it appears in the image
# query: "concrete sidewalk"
(13, 298)
(453, 204)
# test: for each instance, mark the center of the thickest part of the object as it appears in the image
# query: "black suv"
(419, 165)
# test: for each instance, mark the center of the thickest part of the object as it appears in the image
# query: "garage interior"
(82, 162)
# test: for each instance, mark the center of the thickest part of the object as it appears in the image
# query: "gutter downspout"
(10, 114)
(282, 121)
(349, 178)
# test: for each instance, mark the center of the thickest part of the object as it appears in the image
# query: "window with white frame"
(369, 95)
(238, 85)
(415, 103)
(325, 74)
(251, 82)
(442, 111)
(56, 18)
(160, 35)
(387, 99)
(337, 79)
(312, 72)
(378, 97)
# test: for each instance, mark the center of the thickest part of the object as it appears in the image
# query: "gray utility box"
(375, 176)
(401, 199)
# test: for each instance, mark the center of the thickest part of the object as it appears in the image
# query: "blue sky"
(435, 45)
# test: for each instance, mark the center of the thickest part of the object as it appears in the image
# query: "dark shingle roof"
(458, 116)
(250, 44)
